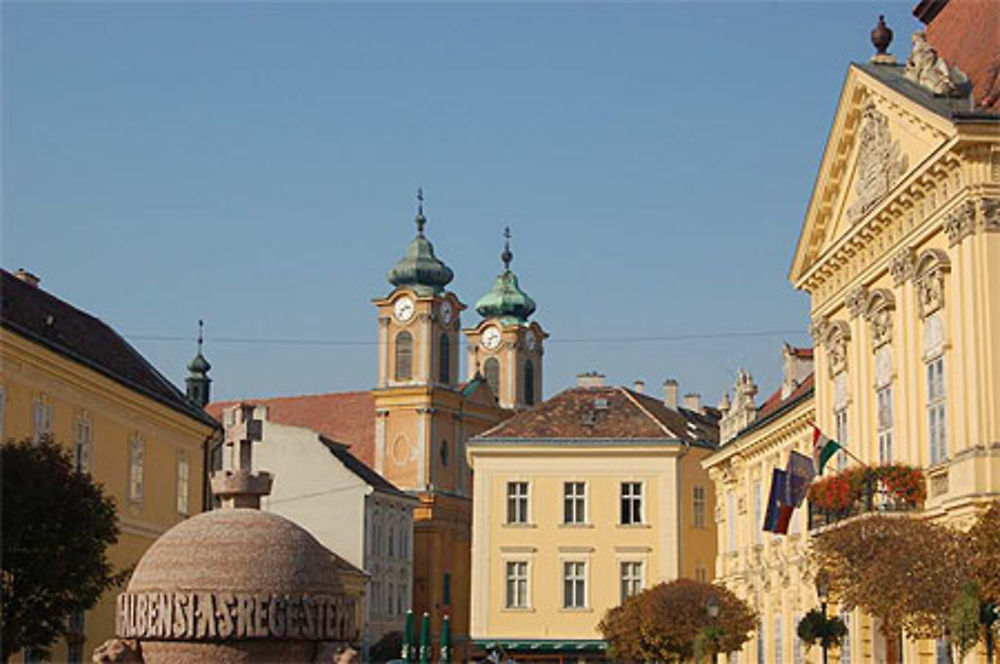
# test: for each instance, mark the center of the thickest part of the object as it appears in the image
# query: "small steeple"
(420, 268)
(506, 299)
(198, 382)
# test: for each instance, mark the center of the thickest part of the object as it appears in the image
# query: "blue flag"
(801, 472)
(779, 511)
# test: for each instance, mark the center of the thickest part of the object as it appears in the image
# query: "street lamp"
(712, 608)
(823, 592)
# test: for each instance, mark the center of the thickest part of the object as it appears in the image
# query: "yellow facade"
(68, 399)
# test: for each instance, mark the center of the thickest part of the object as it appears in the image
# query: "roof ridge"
(628, 394)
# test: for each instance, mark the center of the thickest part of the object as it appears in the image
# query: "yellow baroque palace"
(900, 255)
(67, 375)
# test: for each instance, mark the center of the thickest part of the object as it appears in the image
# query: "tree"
(984, 546)
(670, 622)
(905, 571)
(57, 526)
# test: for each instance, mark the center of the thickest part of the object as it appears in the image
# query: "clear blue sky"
(255, 165)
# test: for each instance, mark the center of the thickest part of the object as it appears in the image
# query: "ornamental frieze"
(881, 163)
(960, 223)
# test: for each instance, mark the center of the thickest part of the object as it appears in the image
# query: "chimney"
(692, 401)
(670, 393)
(590, 379)
(639, 386)
(27, 277)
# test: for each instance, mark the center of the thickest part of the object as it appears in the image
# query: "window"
(517, 502)
(631, 579)
(517, 584)
(404, 356)
(75, 637)
(942, 654)
(446, 590)
(491, 368)
(392, 541)
(731, 520)
(840, 420)
(698, 512)
(42, 425)
(883, 401)
(760, 642)
(444, 452)
(574, 502)
(797, 654)
(136, 467)
(445, 360)
(936, 410)
(3, 413)
(779, 645)
(183, 483)
(701, 574)
(82, 442)
(529, 383)
(631, 512)
(758, 515)
(574, 585)
(845, 648)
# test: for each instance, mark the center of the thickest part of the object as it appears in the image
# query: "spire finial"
(881, 38)
(201, 325)
(421, 220)
(506, 256)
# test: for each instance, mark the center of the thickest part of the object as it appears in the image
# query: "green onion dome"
(506, 299)
(420, 268)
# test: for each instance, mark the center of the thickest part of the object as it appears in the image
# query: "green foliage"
(670, 621)
(963, 621)
(57, 526)
(826, 631)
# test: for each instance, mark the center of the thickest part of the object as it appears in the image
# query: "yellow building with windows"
(585, 499)
(67, 375)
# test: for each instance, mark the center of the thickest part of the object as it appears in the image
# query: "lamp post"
(823, 592)
(712, 608)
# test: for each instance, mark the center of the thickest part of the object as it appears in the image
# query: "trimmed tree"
(670, 622)
(57, 526)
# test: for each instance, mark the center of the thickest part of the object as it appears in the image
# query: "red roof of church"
(347, 417)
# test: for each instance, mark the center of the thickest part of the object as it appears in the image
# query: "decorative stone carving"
(901, 266)
(856, 300)
(881, 162)
(990, 209)
(878, 312)
(925, 68)
(835, 344)
(931, 267)
(960, 223)
(118, 651)
(742, 411)
(817, 330)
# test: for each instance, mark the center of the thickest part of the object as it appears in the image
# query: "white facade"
(349, 508)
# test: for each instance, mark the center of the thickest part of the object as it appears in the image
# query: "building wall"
(31, 375)
(602, 543)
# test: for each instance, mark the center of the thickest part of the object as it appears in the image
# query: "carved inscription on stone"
(881, 163)
(201, 616)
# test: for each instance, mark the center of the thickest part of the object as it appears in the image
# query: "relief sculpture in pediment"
(881, 163)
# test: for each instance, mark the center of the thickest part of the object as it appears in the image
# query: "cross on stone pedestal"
(238, 485)
(241, 435)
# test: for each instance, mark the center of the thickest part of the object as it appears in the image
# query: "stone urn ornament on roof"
(236, 584)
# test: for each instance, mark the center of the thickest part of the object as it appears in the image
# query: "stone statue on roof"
(927, 69)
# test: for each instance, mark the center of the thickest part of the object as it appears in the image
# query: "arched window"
(444, 452)
(445, 361)
(529, 383)
(404, 356)
(492, 370)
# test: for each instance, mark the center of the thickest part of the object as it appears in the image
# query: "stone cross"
(241, 434)
(238, 486)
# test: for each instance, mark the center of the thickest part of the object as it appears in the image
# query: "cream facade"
(139, 437)
(566, 526)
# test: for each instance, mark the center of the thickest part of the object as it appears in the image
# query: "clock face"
(530, 341)
(403, 310)
(491, 338)
(446, 312)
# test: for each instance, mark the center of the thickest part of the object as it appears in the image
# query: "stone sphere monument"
(237, 584)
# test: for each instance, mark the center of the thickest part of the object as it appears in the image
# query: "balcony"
(865, 490)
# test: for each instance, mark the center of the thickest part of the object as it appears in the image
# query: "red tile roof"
(774, 402)
(607, 413)
(804, 353)
(346, 417)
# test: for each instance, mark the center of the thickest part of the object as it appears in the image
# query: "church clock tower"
(505, 348)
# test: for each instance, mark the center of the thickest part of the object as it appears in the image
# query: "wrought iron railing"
(874, 497)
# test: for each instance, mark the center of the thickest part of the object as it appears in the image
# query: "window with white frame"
(883, 402)
(42, 419)
(936, 421)
(731, 520)
(942, 651)
(574, 585)
(517, 584)
(845, 646)
(698, 507)
(631, 578)
(136, 467)
(840, 424)
(631, 503)
(517, 502)
(758, 515)
(761, 659)
(574, 502)
(82, 442)
(797, 655)
(779, 642)
(183, 484)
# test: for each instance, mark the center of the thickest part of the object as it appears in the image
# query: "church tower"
(505, 348)
(198, 383)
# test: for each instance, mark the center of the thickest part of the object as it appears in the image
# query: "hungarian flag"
(779, 512)
(823, 448)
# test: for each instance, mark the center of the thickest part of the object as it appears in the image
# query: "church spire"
(198, 382)
(420, 268)
(506, 299)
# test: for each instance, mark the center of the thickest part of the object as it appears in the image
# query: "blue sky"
(255, 165)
